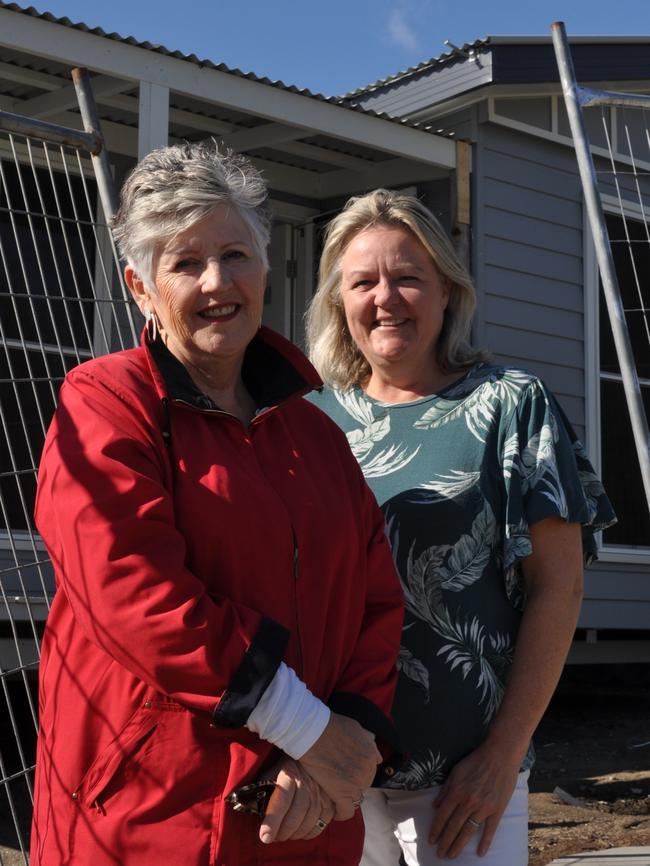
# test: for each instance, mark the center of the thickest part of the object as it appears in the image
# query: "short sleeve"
(546, 473)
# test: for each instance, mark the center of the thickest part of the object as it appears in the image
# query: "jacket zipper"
(295, 600)
(294, 539)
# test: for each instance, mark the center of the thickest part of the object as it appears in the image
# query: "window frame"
(618, 553)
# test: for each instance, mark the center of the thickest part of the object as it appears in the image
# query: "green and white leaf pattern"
(471, 553)
(425, 772)
(363, 440)
(458, 507)
(455, 483)
(356, 405)
(414, 670)
(387, 461)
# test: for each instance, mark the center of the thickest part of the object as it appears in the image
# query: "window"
(619, 463)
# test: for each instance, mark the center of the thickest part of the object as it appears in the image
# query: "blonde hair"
(331, 347)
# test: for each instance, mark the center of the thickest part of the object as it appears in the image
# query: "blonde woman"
(484, 489)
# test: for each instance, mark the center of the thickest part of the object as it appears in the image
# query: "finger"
(489, 829)
(303, 815)
(441, 817)
(452, 828)
(325, 817)
(278, 806)
(466, 832)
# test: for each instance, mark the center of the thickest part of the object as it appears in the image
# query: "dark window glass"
(632, 264)
(620, 464)
(621, 473)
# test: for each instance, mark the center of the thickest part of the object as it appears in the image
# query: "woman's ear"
(447, 286)
(137, 287)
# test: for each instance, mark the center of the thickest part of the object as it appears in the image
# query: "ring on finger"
(320, 824)
(473, 823)
(357, 803)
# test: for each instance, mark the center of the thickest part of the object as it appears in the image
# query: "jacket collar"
(273, 371)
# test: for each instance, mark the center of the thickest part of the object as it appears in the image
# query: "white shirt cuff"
(288, 714)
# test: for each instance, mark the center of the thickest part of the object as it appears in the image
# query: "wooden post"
(461, 202)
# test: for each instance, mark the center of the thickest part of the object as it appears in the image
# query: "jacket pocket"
(126, 744)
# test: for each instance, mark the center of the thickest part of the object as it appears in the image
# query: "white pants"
(399, 822)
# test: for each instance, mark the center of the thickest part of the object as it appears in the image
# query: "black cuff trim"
(372, 719)
(366, 713)
(253, 676)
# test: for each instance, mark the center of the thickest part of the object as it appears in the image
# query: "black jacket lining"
(253, 676)
(269, 377)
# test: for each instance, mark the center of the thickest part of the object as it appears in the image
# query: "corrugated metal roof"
(454, 54)
(483, 44)
(340, 101)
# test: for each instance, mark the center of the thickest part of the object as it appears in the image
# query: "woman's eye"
(361, 284)
(234, 254)
(184, 264)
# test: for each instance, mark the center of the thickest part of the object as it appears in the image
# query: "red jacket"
(192, 555)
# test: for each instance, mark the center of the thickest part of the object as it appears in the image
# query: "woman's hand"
(472, 800)
(298, 808)
(343, 761)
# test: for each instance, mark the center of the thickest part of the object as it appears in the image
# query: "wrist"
(502, 748)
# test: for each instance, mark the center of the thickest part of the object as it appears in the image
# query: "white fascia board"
(110, 57)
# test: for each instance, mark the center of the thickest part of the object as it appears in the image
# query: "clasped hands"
(326, 784)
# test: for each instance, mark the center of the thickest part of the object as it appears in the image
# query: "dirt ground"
(594, 746)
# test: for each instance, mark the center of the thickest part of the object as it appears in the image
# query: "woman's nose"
(386, 293)
(216, 275)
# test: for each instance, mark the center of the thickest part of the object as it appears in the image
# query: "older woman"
(227, 609)
(484, 488)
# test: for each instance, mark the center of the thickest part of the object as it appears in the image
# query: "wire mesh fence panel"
(62, 301)
(614, 162)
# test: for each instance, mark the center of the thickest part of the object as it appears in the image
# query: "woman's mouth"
(222, 312)
(389, 323)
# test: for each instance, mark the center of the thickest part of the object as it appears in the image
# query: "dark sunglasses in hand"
(252, 798)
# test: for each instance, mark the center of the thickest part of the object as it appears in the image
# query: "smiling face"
(394, 301)
(209, 291)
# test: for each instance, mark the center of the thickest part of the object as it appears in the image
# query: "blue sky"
(332, 46)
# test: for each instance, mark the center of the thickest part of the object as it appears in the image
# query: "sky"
(334, 46)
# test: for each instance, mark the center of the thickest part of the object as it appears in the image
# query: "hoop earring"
(151, 325)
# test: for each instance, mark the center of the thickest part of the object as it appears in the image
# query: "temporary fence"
(62, 301)
(622, 183)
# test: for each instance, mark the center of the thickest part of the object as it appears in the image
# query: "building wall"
(528, 249)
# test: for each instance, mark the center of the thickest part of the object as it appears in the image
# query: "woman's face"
(210, 290)
(394, 300)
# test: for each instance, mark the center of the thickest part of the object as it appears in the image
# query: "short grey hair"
(331, 347)
(174, 187)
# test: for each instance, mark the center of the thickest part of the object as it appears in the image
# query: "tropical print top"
(461, 475)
